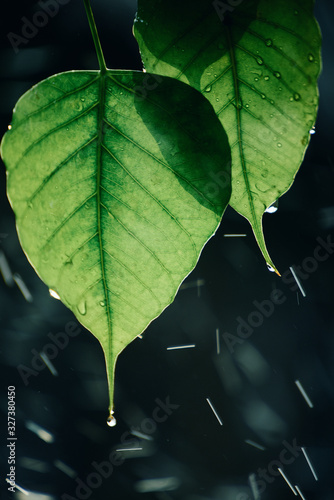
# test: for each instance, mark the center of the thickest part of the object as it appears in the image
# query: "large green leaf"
(257, 62)
(117, 180)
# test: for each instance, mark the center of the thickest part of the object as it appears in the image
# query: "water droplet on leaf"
(270, 268)
(277, 74)
(263, 96)
(256, 79)
(9, 127)
(208, 88)
(311, 57)
(312, 131)
(82, 307)
(268, 42)
(102, 303)
(54, 294)
(296, 96)
(272, 208)
(83, 99)
(266, 78)
(279, 144)
(259, 60)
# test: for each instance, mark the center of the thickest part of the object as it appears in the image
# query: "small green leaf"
(117, 180)
(257, 62)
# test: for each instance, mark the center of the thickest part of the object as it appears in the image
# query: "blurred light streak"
(157, 484)
(300, 493)
(22, 287)
(297, 281)
(214, 411)
(303, 393)
(141, 435)
(253, 485)
(66, 469)
(39, 431)
(287, 481)
(309, 463)
(5, 270)
(181, 347)
(256, 445)
(217, 341)
(48, 364)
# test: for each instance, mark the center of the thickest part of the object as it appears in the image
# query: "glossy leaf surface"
(257, 62)
(116, 186)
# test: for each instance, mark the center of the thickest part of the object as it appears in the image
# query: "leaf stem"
(95, 36)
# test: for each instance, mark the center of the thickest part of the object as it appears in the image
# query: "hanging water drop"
(270, 268)
(312, 131)
(111, 420)
(54, 294)
(272, 208)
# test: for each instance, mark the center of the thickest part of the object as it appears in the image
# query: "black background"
(252, 389)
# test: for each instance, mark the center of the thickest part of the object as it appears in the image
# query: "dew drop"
(296, 96)
(266, 78)
(291, 98)
(29, 204)
(256, 79)
(259, 60)
(102, 303)
(268, 42)
(272, 208)
(263, 96)
(82, 99)
(111, 420)
(312, 131)
(279, 88)
(9, 127)
(270, 268)
(277, 74)
(54, 294)
(279, 144)
(208, 88)
(264, 173)
(311, 57)
(82, 307)
(247, 105)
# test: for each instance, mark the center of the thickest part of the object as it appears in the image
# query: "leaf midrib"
(100, 124)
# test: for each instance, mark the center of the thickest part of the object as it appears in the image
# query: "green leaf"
(257, 63)
(117, 180)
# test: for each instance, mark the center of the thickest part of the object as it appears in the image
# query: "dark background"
(253, 389)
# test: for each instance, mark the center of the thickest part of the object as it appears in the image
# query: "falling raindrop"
(111, 420)
(82, 307)
(270, 268)
(259, 60)
(277, 74)
(272, 208)
(54, 294)
(268, 42)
